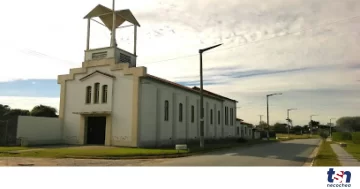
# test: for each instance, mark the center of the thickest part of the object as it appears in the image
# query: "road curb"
(310, 161)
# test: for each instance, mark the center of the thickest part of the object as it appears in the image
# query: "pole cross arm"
(206, 49)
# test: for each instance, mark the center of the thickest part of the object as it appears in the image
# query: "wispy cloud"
(30, 88)
(273, 45)
(222, 75)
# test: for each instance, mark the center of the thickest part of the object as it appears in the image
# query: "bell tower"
(111, 19)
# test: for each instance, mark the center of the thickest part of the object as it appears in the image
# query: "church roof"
(207, 93)
(211, 93)
(106, 16)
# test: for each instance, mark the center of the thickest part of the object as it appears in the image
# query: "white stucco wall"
(122, 109)
(39, 130)
(119, 102)
(155, 130)
(257, 135)
(248, 132)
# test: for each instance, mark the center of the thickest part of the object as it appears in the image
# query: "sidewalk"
(344, 157)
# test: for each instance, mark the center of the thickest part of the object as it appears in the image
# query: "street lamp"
(310, 125)
(288, 119)
(331, 126)
(261, 118)
(260, 126)
(201, 51)
(267, 110)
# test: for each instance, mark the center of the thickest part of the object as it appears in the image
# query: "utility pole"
(260, 118)
(260, 121)
(202, 141)
(310, 124)
(331, 126)
(267, 112)
(288, 119)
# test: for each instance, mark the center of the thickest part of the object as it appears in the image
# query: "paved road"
(289, 153)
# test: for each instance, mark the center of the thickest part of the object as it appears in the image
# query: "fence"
(8, 130)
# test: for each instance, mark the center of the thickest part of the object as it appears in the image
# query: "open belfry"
(112, 101)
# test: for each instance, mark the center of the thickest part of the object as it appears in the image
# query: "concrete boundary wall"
(39, 130)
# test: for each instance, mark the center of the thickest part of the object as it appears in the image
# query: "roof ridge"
(189, 88)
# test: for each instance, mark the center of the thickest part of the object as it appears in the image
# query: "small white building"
(111, 101)
(245, 130)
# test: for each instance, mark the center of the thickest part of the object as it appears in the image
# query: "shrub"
(324, 134)
(341, 136)
(272, 134)
(356, 137)
(241, 140)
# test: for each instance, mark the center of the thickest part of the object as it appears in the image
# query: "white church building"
(110, 101)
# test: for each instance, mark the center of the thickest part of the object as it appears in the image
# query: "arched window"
(104, 93)
(166, 113)
(88, 95)
(180, 112)
(96, 93)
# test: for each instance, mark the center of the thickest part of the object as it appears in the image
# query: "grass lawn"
(8, 149)
(353, 149)
(92, 152)
(326, 156)
(104, 152)
(293, 136)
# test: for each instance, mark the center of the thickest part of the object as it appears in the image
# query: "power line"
(259, 41)
(39, 54)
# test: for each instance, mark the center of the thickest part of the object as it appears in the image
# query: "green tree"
(262, 125)
(43, 111)
(4, 109)
(348, 124)
(297, 129)
(305, 129)
(17, 112)
(324, 133)
(280, 128)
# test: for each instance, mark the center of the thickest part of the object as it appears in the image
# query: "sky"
(306, 49)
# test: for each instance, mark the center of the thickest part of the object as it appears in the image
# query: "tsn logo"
(338, 179)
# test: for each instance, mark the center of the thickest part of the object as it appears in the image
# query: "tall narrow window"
(104, 93)
(211, 117)
(88, 94)
(96, 92)
(180, 112)
(226, 115)
(231, 117)
(166, 113)
(192, 114)
(219, 117)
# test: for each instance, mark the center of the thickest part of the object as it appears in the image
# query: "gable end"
(94, 73)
